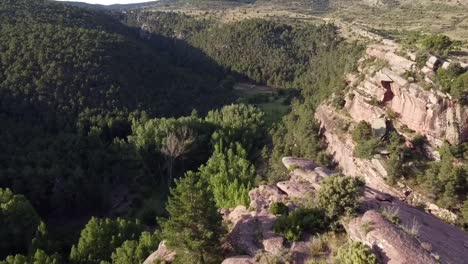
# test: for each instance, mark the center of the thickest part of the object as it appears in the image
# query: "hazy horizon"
(108, 2)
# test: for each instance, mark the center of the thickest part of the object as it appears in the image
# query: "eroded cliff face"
(378, 90)
(379, 94)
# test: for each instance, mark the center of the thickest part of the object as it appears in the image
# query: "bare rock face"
(394, 245)
(304, 176)
(252, 231)
(163, 254)
(292, 163)
(381, 2)
(244, 234)
(300, 251)
(296, 190)
(429, 113)
(262, 197)
(239, 260)
(341, 146)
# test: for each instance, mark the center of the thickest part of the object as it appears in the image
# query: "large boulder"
(272, 242)
(239, 260)
(296, 190)
(293, 163)
(162, 254)
(394, 245)
(262, 197)
(245, 235)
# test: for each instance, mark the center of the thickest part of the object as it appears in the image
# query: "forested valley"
(103, 124)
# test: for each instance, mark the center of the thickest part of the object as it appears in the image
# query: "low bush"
(279, 208)
(367, 144)
(366, 149)
(293, 226)
(355, 253)
(339, 196)
(439, 45)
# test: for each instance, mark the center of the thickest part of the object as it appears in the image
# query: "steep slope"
(381, 96)
(72, 59)
(69, 79)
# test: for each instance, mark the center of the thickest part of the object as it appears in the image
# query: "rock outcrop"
(381, 94)
(161, 254)
(447, 242)
(239, 260)
(341, 146)
(251, 231)
(394, 245)
(427, 112)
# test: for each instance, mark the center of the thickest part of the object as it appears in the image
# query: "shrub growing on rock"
(279, 208)
(363, 131)
(339, 195)
(366, 149)
(366, 143)
(355, 253)
(293, 226)
(439, 45)
(464, 212)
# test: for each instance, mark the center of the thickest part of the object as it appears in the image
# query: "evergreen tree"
(39, 257)
(18, 222)
(194, 227)
(101, 237)
(135, 252)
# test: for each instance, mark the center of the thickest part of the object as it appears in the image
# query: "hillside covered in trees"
(101, 122)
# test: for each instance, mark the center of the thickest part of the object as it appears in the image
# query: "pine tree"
(101, 237)
(18, 223)
(135, 252)
(194, 228)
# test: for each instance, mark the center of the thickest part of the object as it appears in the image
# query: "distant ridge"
(112, 7)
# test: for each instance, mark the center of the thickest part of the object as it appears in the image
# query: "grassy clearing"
(273, 102)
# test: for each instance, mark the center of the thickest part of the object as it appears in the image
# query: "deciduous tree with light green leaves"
(230, 175)
(238, 123)
(194, 227)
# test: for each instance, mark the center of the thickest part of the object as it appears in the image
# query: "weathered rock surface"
(239, 260)
(296, 190)
(262, 197)
(305, 175)
(430, 113)
(394, 245)
(292, 163)
(252, 231)
(162, 253)
(341, 146)
(446, 241)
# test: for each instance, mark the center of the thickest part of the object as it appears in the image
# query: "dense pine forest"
(103, 124)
